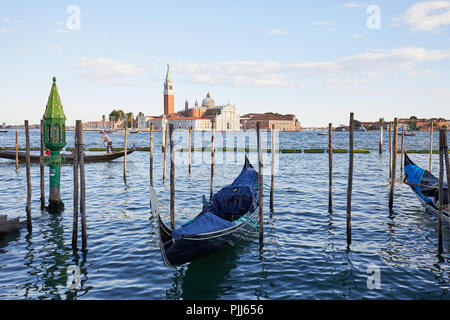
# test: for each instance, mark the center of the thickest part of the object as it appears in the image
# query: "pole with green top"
(55, 140)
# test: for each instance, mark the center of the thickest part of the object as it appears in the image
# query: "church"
(199, 117)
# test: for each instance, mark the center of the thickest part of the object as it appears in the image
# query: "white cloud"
(278, 31)
(55, 46)
(5, 30)
(395, 22)
(357, 35)
(328, 23)
(103, 69)
(322, 23)
(353, 4)
(442, 92)
(9, 20)
(60, 30)
(373, 64)
(428, 15)
(336, 83)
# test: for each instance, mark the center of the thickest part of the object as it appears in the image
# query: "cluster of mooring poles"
(350, 175)
(53, 137)
(393, 145)
(167, 138)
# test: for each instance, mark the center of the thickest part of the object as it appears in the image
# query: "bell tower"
(168, 94)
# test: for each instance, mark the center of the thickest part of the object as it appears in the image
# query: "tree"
(129, 119)
(116, 115)
(356, 124)
(412, 123)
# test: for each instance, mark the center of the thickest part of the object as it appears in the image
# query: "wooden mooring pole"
(172, 180)
(390, 149)
(394, 164)
(430, 167)
(151, 154)
(125, 155)
(380, 151)
(402, 151)
(350, 182)
(260, 184)
(164, 134)
(447, 169)
(330, 167)
(441, 190)
(443, 147)
(28, 172)
(212, 161)
(41, 165)
(75, 190)
(189, 165)
(82, 186)
(272, 167)
(17, 150)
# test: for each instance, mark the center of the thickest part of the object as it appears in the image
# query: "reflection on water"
(304, 254)
(204, 278)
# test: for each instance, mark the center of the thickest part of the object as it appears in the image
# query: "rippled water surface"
(305, 255)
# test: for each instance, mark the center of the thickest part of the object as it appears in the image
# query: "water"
(305, 255)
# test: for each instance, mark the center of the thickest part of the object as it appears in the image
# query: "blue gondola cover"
(226, 206)
(206, 222)
(415, 175)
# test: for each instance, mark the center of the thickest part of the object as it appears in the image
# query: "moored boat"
(68, 157)
(407, 134)
(426, 187)
(231, 214)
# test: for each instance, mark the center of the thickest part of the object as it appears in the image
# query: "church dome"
(208, 102)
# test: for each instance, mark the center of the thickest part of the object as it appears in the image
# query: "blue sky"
(320, 60)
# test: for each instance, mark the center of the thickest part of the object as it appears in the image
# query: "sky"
(319, 60)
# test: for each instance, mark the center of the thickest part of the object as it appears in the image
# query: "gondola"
(68, 157)
(426, 187)
(231, 214)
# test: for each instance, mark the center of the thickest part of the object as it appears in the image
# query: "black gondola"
(426, 187)
(68, 157)
(231, 214)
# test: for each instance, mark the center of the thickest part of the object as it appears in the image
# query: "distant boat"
(3, 131)
(322, 134)
(134, 131)
(408, 134)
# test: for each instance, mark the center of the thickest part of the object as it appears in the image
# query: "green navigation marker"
(55, 140)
